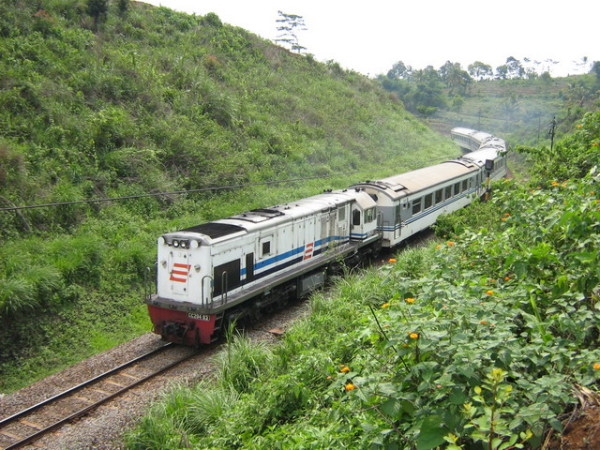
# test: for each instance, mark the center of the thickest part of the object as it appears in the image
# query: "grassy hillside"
(145, 100)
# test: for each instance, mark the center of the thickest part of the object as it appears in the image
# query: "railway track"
(34, 422)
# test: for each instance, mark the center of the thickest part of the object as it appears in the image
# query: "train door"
(357, 221)
(398, 220)
(342, 222)
(328, 228)
(333, 227)
(249, 267)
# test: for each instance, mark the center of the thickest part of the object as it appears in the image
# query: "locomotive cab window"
(342, 213)
(265, 247)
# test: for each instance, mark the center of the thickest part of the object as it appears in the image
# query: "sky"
(371, 36)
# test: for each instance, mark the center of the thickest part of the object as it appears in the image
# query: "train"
(221, 271)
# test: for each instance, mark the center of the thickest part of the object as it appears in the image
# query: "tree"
(480, 70)
(428, 96)
(400, 71)
(97, 9)
(514, 68)
(290, 24)
(596, 70)
(457, 80)
(123, 6)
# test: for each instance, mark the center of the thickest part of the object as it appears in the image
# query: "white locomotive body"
(215, 267)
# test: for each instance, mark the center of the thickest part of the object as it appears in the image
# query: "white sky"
(371, 36)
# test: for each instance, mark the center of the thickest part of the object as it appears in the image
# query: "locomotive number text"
(205, 317)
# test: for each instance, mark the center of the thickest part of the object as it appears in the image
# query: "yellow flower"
(414, 336)
(349, 387)
(409, 300)
(450, 243)
(392, 260)
(345, 369)
(483, 322)
(490, 292)
(385, 305)
(596, 366)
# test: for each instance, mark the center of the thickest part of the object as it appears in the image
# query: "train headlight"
(175, 243)
(183, 243)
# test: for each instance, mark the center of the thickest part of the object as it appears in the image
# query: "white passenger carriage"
(470, 140)
(411, 202)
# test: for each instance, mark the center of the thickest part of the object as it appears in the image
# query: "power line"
(155, 194)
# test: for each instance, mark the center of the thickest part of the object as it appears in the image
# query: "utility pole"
(551, 132)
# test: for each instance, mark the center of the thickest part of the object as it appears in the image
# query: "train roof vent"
(259, 215)
(214, 229)
(463, 161)
(384, 185)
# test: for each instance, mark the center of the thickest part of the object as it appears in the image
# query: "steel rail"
(94, 405)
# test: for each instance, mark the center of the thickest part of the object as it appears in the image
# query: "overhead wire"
(154, 194)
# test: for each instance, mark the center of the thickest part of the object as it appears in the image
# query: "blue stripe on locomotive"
(274, 264)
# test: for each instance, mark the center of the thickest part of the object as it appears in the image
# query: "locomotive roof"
(258, 218)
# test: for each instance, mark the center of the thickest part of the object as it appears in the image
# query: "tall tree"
(456, 79)
(123, 6)
(514, 68)
(596, 70)
(400, 71)
(97, 9)
(480, 70)
(289, 25)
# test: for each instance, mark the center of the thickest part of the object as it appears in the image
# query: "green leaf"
(431, 433)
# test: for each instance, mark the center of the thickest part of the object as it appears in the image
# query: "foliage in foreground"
(473, 343)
